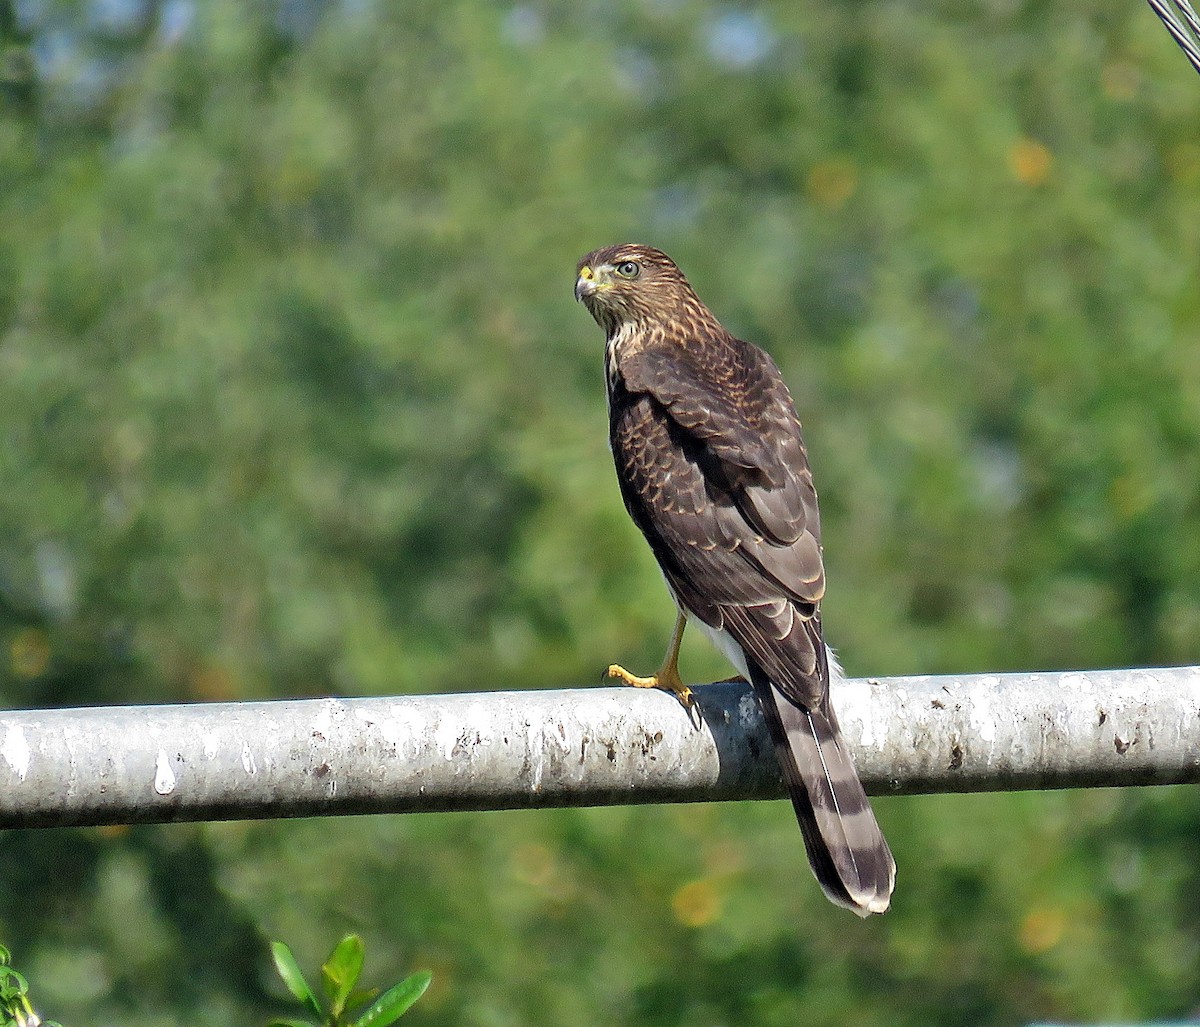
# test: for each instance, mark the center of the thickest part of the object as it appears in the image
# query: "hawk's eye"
(628, 269)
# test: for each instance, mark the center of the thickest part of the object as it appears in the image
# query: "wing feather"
(730, 396)
(723, 492)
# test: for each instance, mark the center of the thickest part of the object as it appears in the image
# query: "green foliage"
(294, 400)
(15, 1007)
(339, 975)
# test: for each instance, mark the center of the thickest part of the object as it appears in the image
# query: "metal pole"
(585, 747)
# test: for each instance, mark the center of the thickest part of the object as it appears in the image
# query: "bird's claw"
(664, 679)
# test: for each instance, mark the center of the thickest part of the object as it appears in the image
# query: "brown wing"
(713, 469)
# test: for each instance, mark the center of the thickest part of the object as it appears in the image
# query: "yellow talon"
(667, 679)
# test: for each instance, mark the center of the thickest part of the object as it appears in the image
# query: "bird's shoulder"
(717, 387)
(664, 358)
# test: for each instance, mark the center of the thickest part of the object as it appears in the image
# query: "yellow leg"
(667, 676)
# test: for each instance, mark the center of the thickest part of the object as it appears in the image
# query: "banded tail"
(847, 851)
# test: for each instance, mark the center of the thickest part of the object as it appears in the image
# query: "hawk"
(713, 470)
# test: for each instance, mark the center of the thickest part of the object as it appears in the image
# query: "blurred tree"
(293, 399)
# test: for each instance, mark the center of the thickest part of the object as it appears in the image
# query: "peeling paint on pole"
(15, 751)
(596, 746)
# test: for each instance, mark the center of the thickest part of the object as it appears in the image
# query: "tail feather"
(846, 849)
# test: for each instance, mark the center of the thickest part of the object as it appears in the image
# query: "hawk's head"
(632, 283)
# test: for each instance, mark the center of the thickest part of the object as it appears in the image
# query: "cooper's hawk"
(713, 470)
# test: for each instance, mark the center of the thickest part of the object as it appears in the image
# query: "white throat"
(611, 347)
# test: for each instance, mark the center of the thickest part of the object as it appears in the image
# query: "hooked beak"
(585, 284)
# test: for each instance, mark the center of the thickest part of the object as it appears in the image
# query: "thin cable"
(1185, 32)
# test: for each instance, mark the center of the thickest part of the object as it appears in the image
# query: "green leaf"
(12, 983)
(361, 997)
(395, 1002)
(285, 963)
(290, 1023)
(341, 970)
